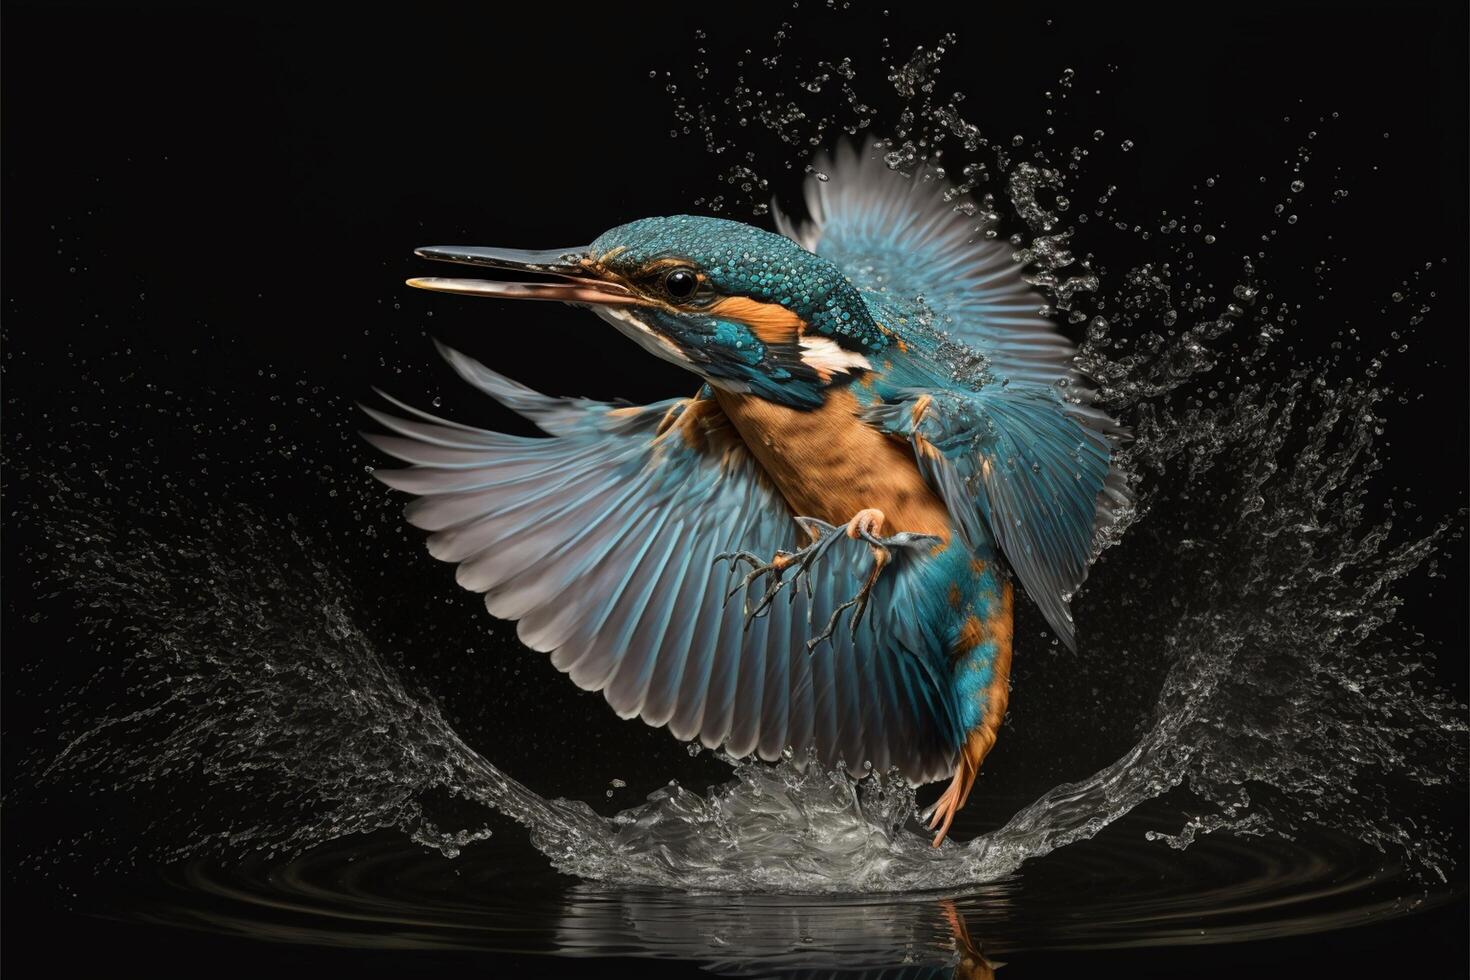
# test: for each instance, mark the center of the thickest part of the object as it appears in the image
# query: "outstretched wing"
(914, 254)
(1023, 456)
(1013, 461)
(602, 542)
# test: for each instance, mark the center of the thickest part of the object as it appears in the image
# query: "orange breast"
(829, 464)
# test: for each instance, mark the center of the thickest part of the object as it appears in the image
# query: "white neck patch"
(827, 357)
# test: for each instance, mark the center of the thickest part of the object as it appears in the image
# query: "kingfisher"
(815, 555)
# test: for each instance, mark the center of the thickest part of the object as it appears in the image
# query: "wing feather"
(601, 541)
(1016, 449)
(915, 254)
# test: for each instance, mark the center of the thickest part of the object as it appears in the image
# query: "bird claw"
(858, 603)
(861, 527)
(941, 815)
(774, 570)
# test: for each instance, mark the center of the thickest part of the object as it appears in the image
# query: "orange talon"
(953, 799)
(865, 522)
(972, 753)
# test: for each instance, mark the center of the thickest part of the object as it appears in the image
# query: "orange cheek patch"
(771, 322)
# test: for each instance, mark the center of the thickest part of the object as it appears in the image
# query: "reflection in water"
(384, 892)
(770, 936)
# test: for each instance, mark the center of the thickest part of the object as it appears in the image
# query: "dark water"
(382, 892)
(259, 710)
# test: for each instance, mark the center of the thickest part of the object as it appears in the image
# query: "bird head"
(746, 309)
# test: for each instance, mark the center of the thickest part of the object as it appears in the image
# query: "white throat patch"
(827, 357)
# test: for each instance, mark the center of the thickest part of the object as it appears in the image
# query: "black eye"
(681, 283)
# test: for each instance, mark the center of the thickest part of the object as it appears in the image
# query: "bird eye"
(680, 283)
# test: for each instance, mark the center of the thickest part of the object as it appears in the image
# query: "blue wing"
(918, 259)
(601, 542)
(1014, 447)
(1013, 461)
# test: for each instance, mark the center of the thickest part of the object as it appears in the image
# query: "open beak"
(566, 270)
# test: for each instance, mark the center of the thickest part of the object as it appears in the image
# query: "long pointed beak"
(570, 282)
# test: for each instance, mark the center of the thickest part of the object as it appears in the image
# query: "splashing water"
(1288, 693)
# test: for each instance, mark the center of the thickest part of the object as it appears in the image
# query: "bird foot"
(865, 525)
(942, 813)
(775, 570)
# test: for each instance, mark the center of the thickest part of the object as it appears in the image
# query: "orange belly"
(829, 464)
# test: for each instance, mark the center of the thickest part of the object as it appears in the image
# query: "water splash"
(1282, 690)
(1293, 698)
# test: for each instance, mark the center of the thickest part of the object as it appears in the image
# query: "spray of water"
(1289, 695)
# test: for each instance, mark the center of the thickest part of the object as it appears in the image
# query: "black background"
(229, 191)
